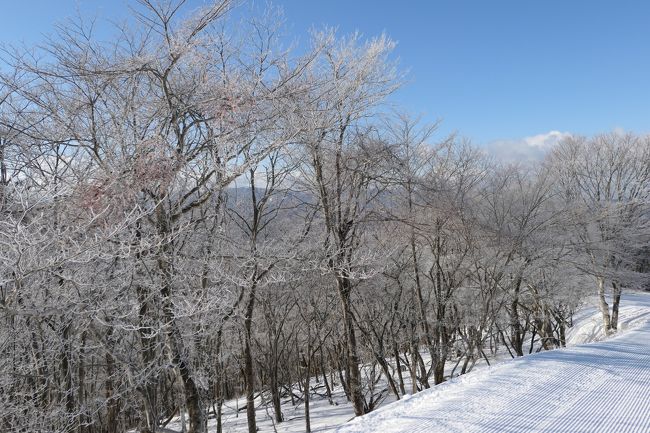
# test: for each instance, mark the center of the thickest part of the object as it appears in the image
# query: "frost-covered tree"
(605, 182)
(344, 163)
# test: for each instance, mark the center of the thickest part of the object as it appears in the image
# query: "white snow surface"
(602, 386)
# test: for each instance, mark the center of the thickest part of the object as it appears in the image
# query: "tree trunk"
(344, 383)
(328, 389)
(198, 422)
(66, 370)
(604, 307)
(398, 364)
(516, 337)
(181, 413)
(439, 371)
(112, 403)
(562, 332)
(218, 413)
(616, 300)
(307, 364)
(195, 411)
(148, 343)
(275, 391)
(463, 370)
(420, 303)
(414, 367)
(354, 376)
(424, 375)
(249, 375)
(391, 382)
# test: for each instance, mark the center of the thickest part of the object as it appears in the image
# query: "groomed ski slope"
(598, 387)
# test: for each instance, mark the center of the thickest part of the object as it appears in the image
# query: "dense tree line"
(190, 213)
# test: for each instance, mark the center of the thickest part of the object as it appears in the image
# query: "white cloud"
(546, 141)
(526, 149)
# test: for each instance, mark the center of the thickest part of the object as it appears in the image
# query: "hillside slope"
(598, 387)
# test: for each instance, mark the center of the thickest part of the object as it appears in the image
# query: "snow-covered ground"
(603, 386)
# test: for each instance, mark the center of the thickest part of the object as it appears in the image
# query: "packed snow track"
(597, 387)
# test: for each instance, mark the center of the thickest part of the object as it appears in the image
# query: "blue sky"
(495, 71)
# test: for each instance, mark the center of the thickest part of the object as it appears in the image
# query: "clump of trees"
(190, 213)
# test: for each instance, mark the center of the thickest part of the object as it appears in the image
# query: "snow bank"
(598, 387)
